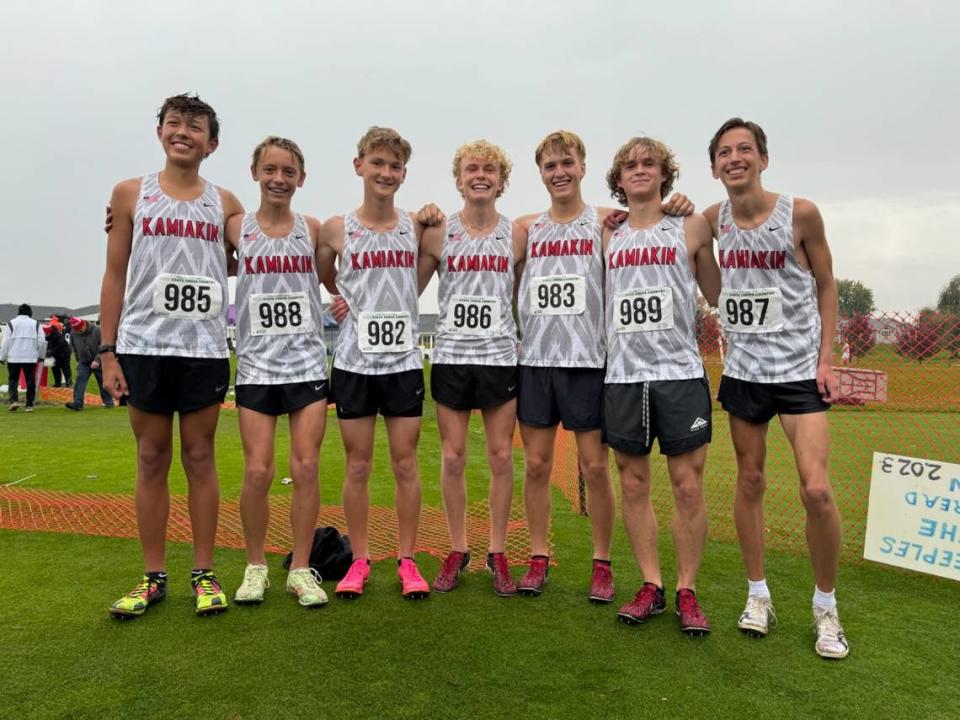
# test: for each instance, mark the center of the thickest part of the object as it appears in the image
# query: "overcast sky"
(860, 102)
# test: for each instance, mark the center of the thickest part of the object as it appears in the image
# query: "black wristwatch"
(107, 349)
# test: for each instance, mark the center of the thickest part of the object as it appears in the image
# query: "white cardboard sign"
(913, 520)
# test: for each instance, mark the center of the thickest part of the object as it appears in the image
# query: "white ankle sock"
(758, 588)
(824, 600)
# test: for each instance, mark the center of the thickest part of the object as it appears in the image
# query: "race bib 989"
(643, 310)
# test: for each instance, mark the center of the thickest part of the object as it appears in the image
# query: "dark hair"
(25, 309)
(191, 106)
(732, 124)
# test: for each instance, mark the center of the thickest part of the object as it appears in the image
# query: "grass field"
(464, 655)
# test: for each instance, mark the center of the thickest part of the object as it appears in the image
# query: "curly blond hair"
(658, 151)
(488, 152)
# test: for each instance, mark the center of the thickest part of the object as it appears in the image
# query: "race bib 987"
(752, 311)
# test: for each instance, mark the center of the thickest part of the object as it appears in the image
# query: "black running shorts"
(677, 413)
(473, 387)
(165, 385)
(759, 402)
(550, 395)
(281, 399)
(392, 395)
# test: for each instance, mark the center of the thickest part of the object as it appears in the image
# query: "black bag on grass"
(330, 555)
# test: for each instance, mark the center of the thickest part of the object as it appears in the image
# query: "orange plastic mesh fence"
(900, 393)
(114, 516)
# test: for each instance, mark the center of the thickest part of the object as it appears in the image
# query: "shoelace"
(452, 562)
(757, 606)
(828, 624)
(140, 591)
(689, 605)
(206, 585)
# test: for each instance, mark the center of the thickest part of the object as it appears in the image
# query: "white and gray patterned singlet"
(768, 306)
(176, 298)
(476, 325)
(651, 298)
(279, 311)
(561, 294)
(378, 279)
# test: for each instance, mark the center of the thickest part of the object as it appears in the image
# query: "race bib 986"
(475, 315)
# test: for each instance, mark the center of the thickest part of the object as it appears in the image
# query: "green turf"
(468, 654)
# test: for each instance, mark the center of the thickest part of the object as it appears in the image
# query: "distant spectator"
(845, 354)
(59, 350)
(85, 339)
(23, 345)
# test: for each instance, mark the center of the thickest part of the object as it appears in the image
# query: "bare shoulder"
(525, 221)
(313, 224)
(696, 223)
(126, 192)
(805, 211)
(231, 204)
(712, 214)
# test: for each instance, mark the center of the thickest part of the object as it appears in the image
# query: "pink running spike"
(352, 584)
(413, 586)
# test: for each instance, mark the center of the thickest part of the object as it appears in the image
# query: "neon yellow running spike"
(211, 600)
(136, 602)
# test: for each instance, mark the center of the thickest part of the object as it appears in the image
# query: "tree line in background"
(917, 337)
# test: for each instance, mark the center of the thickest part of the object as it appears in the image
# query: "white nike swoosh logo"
(318, 388)
(420, 391)
(219, 388)
(511, 388)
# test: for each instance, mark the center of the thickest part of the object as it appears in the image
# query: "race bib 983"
(558, 295)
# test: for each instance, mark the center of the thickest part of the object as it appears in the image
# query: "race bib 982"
(384, 332)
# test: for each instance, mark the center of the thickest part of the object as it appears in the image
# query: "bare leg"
(257, 432)
(358, 447)
(197, 432)
(403, 434)
(498, 424)
(307, 426)
(689, 525)
(538, 454)
(601, 502)
(809, 434)
(154, 434)
(750, 445)
(639, 519)
(453, 483)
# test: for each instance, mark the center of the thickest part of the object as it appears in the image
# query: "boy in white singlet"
(779, 311)
(476, 254)
(164, 349)
(562, 354)
(281, 362)
(377, 366)
(655, 385)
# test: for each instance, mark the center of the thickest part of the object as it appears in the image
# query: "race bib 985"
(189, 297)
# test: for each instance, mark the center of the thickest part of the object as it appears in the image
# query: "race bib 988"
(280, 314)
